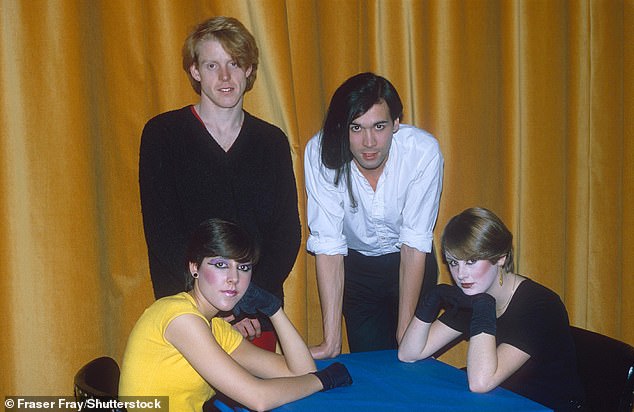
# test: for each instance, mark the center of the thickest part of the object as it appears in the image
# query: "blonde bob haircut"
(478, 234)
(237, 41)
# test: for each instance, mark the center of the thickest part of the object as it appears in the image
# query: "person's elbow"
(480, 385)
(260, 403)
(262, 408)
(259, 407)
(302, 370)
(406, 356)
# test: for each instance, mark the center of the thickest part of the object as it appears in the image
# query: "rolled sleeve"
(421, 206)
(325, 211)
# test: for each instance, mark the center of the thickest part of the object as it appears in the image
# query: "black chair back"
(606, 368)
(98, 379)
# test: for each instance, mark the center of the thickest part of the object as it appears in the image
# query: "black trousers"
(370, 298)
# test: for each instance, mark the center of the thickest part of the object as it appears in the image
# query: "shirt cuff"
(417, 241)
(327, 247)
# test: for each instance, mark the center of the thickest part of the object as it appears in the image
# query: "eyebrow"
(216, 61)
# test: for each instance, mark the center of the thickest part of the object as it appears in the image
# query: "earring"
(195, 275)
(501, 276)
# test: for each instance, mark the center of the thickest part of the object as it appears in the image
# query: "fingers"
(229, 318)
(255, 324)
(249, 328)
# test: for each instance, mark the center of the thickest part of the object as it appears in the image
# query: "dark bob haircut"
(217, 237)
(478, 234)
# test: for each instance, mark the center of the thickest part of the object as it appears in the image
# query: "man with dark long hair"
(373, 187)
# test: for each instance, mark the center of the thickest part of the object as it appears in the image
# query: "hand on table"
(325, 351)
(334, 376)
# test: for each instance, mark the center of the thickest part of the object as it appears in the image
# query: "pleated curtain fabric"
(530, 100)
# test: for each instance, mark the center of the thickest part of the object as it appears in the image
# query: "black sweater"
(185, 177)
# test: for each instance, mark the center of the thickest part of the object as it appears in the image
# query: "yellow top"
(154, 367)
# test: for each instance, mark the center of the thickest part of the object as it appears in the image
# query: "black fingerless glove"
(455, 299)
(256, 300)
(334, 376)
(440, 296)
(483, 319)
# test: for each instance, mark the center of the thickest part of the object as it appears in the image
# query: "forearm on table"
(414, 340)
(482, 362)
(271, 393)
(411, 272)
(423, 339)
(265, 394)
(330, 281)
(490, 364)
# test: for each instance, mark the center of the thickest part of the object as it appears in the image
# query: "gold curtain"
(531, 101)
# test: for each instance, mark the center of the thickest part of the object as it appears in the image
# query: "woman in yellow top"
(179, 348)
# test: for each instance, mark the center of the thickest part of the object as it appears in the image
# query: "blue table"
(383, 383)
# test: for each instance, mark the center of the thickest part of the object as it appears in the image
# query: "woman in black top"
(519, 333)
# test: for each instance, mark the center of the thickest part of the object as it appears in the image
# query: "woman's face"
(473, 276)
(221, 281)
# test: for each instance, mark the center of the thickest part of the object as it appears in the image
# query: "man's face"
(371, 137)
(222, 81)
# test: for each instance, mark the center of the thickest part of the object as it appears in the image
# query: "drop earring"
(501, 275)
(195, 275)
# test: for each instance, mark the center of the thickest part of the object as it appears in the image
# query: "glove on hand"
(456, 299)
(440, 296)
(255, 300)
(334, 376)
(483, 318)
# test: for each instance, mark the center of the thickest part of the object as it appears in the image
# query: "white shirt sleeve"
(420, 210)
(325, 205)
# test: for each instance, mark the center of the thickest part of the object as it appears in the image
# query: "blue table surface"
(382, 383)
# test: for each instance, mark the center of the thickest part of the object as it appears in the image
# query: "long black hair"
(353, 99)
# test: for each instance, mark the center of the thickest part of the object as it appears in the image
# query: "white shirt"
(403, 209)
